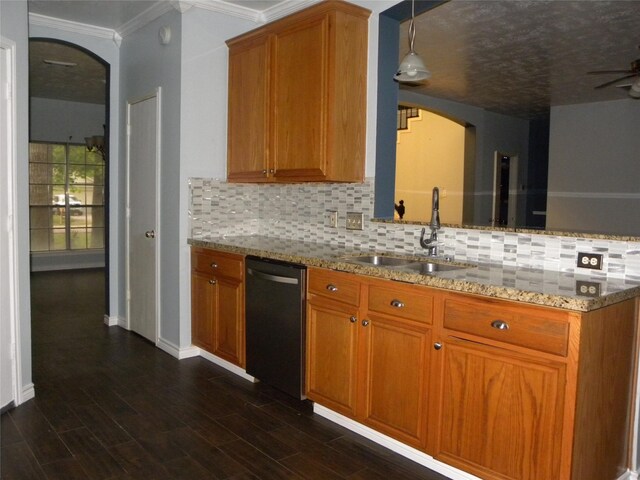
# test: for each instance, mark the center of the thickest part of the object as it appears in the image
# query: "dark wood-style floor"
(109, 405)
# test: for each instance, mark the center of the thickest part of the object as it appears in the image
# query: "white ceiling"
(519, 57)
(511, 56)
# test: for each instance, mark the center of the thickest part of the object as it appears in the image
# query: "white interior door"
(143, 122)
(8, 280)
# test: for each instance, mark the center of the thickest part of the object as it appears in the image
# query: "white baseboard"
(175, 351)
(27, 393)
(111, 321)
(629, 475)
(226, 365)
(394, 445)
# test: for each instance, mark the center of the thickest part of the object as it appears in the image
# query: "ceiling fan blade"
(598, 72)
(606, 84)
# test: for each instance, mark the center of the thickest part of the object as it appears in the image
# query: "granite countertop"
(541, 287)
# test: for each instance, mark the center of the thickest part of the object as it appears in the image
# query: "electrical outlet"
(587, 289)
(354, 221)
(590, 260)
(332, 218)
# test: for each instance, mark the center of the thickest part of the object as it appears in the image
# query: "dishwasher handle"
(272, 278)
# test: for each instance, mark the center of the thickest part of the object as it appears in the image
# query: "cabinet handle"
(212, 282)
(353, 319)
(500, 325)
(365, 323)
(264, 172)
(214, 265)
(332, 288)
(272, 170)
(437, 345)
(397, 303)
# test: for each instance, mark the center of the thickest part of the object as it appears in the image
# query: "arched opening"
(69, 93)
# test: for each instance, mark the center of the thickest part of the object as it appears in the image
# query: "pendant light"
(412, 68)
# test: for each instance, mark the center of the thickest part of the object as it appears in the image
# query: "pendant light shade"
(412, 68)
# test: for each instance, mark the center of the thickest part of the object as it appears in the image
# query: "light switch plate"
(332, 218)
(354, 221)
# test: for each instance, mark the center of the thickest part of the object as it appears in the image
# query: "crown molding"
(229, 9)
(150, 14)
(182, 5)
(75, 27)
(285, 8)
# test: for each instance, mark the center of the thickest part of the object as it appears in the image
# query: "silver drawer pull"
(500, 325)
(332, 288)
(365, 323)
(353, 319)
(214, 265)
(212, 282)
(397, 303)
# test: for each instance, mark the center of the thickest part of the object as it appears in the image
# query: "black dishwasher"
(275, 323)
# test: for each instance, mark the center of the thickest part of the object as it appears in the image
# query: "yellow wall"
(430, 154)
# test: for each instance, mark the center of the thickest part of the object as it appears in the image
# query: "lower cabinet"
(370, 361)
(501, 413)
(503, 390)
(217, 303)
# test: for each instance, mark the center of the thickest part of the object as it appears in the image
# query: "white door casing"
(143, 209)
(9, 321)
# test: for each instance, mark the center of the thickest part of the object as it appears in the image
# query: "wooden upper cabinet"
(297, 97)
(248, 138)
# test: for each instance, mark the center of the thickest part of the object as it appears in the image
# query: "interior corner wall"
(145, 65)
(108, 51)
(587, 143)
(14, 27)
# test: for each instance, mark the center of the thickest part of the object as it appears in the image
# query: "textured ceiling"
(520, 57)
(85, 82)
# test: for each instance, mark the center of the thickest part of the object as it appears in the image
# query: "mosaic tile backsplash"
(299, 212)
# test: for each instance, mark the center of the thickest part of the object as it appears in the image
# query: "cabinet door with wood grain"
(501, 412)
(228, 322)
(332, 342)
(396, 371)
(249, 110)
(300, 98)
(203, 306)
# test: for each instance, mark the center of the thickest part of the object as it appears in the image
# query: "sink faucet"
(431, 244)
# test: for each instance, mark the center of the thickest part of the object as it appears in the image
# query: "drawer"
(522, 326)
(404, 302)
(217, 263)
(342, 287)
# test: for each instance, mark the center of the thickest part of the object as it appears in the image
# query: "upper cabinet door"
(248, 128)
(300, 71)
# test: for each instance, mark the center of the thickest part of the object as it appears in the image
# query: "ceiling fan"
(633, 71)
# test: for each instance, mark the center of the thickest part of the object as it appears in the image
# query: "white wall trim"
(227, 365)
(113, 320)
(74, 27)
(175, 351)
(11, 153)
(628, 475)
(394, 445)
(285, 8)
(27, 393)
(149, 15)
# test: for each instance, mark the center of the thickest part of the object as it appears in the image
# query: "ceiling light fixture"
(412, 68)
(59, 63)
(96, 143)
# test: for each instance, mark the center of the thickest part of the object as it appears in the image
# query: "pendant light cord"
(412, 27)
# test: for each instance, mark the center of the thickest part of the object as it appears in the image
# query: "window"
(66, 197)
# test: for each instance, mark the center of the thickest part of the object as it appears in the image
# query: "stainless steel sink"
(413, 265)
(379, 260)
(428, 268)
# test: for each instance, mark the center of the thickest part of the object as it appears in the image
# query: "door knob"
(150, 234)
